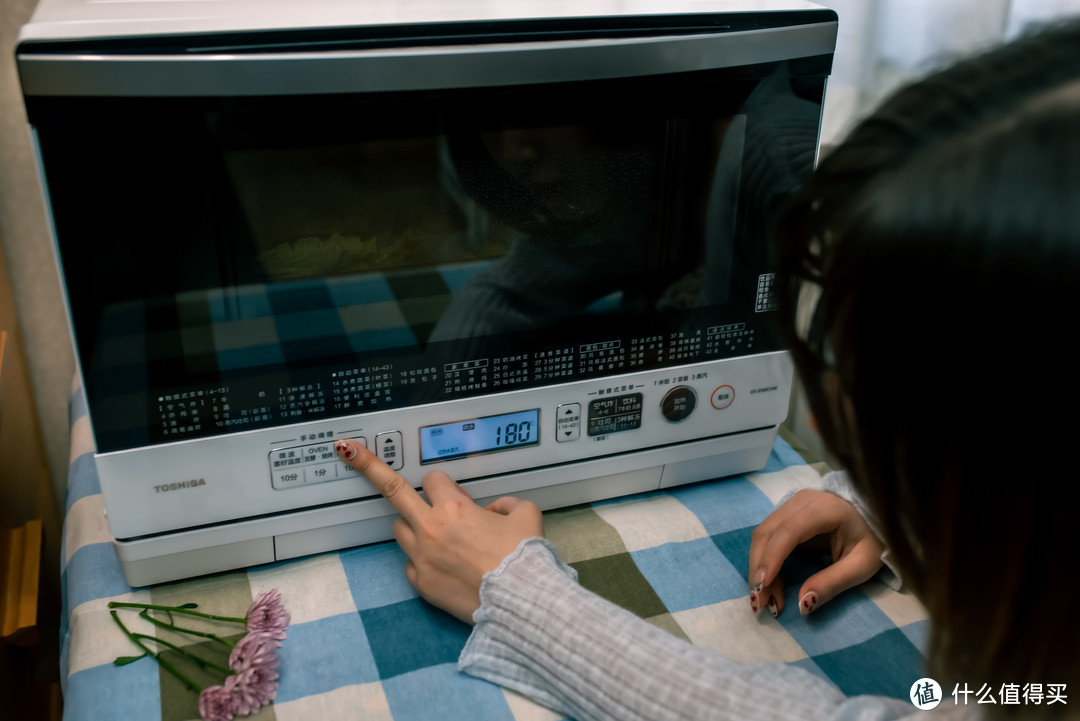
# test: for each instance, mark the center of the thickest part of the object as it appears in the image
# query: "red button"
(722, 397)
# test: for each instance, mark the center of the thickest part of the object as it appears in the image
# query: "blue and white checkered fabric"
(363, 645)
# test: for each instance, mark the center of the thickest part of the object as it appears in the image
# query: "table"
(362, 645)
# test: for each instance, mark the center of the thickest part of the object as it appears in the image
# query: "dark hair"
(944, 235)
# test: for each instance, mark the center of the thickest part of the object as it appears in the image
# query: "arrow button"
(569, 422)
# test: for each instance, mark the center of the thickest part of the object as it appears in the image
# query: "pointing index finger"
(394, 488)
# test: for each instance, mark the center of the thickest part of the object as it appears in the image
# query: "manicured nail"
(345, 449)
(754, 603)
(808, 602)
(772, 609)
(759, 580)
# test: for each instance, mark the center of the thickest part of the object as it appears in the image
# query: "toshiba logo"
(166, 487)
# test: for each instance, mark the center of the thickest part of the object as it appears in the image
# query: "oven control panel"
(500, 444)
(538, 427)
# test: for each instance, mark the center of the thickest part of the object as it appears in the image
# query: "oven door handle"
(410, 69)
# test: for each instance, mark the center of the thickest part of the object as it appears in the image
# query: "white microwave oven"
(523, 242)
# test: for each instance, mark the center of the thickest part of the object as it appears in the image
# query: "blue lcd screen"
(480, 435)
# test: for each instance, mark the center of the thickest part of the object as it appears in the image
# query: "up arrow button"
(568, 422)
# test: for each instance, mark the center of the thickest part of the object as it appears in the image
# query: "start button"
(678, 403)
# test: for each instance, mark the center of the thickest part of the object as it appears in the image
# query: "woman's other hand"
(809, 514)
(451, 542)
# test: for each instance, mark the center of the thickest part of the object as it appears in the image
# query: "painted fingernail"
(759, 580)
(345, 449)
(808, 602)
(754, 603)
(772, 609)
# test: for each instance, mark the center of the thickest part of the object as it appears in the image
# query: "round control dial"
(678, 403)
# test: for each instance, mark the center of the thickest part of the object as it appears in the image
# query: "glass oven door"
(239, 261)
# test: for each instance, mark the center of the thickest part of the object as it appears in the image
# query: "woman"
(936, 258)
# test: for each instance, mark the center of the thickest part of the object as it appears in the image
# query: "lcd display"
(480, 435)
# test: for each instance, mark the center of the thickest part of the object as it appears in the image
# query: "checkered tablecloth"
(362, 645)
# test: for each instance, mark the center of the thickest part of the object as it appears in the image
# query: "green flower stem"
(188, 683)
(179, 649)
(176, 609)
(180, 629)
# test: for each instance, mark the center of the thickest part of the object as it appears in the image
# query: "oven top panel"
(82, 19)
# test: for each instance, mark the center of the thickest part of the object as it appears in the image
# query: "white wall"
(28, 251)
(884, 43)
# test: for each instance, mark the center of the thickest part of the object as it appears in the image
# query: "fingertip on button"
(346, 449)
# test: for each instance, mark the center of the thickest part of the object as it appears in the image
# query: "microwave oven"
(523, 242)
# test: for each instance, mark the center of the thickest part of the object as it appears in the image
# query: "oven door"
(253, 243)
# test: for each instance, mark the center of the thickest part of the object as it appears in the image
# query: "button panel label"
(614, 415)
(308, 464)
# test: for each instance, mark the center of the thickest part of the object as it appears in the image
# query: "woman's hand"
(451, 542)
(856, 551)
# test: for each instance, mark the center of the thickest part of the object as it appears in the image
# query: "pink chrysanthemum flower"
(268, 615)
(255, 687)
(217, 703)
(254, 649)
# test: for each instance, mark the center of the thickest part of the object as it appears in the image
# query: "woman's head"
(944, 236)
